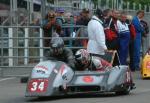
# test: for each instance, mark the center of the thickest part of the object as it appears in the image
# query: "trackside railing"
(22, 47)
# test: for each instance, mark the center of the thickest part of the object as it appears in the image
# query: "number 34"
(37, 86)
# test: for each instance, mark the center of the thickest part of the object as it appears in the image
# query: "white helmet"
(82, 56)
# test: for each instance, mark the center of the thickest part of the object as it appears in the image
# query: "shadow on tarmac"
(75, 96)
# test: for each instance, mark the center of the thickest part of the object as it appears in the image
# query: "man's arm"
(70, 58)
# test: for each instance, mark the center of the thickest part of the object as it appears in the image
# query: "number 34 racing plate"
(38, 85)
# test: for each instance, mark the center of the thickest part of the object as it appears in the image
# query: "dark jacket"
(49, 27)
(83, 21)
(66, 56)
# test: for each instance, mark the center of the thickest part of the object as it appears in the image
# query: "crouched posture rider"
(84, 61)
(60, 53)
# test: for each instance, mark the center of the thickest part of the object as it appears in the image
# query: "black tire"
(125, 91)
(24, 79)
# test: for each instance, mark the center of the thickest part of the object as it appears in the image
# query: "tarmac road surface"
(12, 91)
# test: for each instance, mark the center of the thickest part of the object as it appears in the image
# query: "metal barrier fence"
(22, 47)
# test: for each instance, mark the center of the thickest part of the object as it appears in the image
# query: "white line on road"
(6, 79)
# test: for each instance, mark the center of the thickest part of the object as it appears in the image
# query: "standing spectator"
(96, 44)
(107, 14)
(123, 38)
(69, 21)
(84, 17)
(110, 25)
(60, 19)
(69, 18)
(145, 33)
(145, 26)
(50, 28)
(82, 31)
(76, 16)
(60, 16)
(135, 58)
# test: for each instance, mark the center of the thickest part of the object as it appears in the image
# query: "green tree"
(95, 2)
(142, 2)
(50, 1)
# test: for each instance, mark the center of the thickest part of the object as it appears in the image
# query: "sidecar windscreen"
(112, 57)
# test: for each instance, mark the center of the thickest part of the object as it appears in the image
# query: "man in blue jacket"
(135, 58)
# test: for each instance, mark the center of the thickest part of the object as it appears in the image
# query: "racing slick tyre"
(125, 91)
(24, 79)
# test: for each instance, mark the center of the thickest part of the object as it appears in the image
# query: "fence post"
(71, 30)
(140, 6)
(114, 4)
(145, 8)
(134, 4)
(26, 51)
(1, 72)
(100, 3)
(107, 4)
(128, 5)
(10, 51)
(41, 45)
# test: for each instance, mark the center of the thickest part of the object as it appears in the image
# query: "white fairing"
(43, 69)
(64, 76)
(116, 76)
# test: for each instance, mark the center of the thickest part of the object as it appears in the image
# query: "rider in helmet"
(57, 46)
(59, 52)
(85, 61)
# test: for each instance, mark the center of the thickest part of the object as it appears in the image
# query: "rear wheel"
(125, 91)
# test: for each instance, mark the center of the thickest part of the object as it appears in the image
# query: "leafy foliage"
(50, 1)
(95, 2)
(142, 2)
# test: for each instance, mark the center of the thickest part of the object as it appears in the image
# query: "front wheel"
(24, 79)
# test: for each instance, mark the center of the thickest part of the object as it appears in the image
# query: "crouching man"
(84, 61)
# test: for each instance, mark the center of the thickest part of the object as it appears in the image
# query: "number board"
(38, 85)
(148, 65)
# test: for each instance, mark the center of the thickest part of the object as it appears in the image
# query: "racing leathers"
(95, 64)
(66, 56)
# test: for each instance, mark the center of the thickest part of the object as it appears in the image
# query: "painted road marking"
(4, 79)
